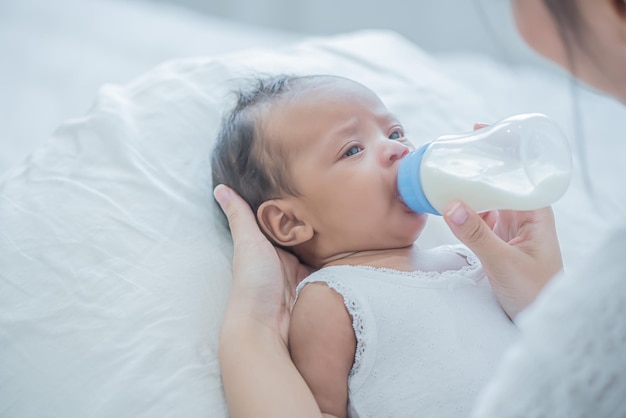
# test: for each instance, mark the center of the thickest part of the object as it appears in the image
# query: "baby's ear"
(279, 222)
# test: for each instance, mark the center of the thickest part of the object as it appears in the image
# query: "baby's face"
(345, 149)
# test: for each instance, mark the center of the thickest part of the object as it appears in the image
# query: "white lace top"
(426, 341)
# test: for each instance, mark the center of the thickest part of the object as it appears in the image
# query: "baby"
(381, 328)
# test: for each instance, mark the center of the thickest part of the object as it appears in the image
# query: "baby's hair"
(243, 158)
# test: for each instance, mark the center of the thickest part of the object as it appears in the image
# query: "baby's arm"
(322, 346)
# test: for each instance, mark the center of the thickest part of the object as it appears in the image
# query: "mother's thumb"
(240, 217)
(471, 230)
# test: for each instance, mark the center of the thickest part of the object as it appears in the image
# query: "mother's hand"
(264, 277)
(519, 250)
(259, 378)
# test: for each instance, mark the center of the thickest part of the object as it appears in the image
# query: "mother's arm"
(260, 380)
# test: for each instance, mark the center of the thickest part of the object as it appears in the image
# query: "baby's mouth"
(399, 199)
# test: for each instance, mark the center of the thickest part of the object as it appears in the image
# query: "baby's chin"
(414, 225)
(405, 238)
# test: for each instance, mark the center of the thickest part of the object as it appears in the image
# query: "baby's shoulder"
(314, 295)
(320, 311)
(316, 291)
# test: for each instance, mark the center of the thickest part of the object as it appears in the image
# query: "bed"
(114, 262)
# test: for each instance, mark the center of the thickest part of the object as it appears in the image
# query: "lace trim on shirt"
(472, 264)
(358, 323)
(472, 259)
(354, 309)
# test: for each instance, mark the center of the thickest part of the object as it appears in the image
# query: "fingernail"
(457, 214)
(222, 194)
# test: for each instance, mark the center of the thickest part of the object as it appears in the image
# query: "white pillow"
(114, 266)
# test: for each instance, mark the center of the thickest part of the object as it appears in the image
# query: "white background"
(483, 26)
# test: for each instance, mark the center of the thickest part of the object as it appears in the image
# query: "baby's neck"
(410, 258)
(395, 258)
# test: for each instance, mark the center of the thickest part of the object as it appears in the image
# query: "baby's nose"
(394, 150)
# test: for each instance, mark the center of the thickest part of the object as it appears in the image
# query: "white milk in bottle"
(522, 162)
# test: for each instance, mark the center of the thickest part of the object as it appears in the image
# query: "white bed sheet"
(113, 267)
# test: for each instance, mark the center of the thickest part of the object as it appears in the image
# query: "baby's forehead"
(315, 105)
(325, 96)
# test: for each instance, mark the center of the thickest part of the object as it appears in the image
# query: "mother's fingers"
(475, 232)
(240, 217)
(490, 218)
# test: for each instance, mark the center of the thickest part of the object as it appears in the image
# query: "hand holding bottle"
(519, 250)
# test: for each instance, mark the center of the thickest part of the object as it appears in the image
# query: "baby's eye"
(355, 149)
(397, 134)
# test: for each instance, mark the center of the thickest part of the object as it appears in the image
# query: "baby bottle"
(522, 162)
